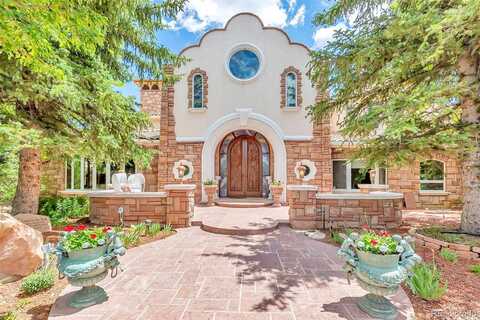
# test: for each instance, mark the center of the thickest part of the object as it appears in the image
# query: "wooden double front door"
(244, 168)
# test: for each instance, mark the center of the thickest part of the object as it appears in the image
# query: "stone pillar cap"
(302, 187)
(178, 186)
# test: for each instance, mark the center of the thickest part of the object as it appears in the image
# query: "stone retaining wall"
(310, 211)
(375, 213)
(174, 207)
(104, 210)
(461, 250)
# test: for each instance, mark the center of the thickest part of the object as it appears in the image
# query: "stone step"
(243, 203)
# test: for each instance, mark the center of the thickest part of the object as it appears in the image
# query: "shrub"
(167, 228)
(60, 209)
(38, 281)
(449, 255)
(425, 282)
(475, 269)
(10, 315)
(336, 237)
(154, 229)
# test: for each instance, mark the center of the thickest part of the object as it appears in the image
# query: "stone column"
(180, 204)
(302, 201)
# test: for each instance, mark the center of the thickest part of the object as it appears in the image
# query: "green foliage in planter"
(38, 281)
(449, 255)
(80, 237)
(276, 183)
(475, 269)
(209, 182)
(425, 282)
(378, 243)
(60, 209)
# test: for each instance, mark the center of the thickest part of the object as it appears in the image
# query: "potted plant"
(84, 256)
(211, 188)
(380, 263)
(276, 188)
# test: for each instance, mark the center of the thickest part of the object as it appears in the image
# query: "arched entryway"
(244, 165)
(247, 120)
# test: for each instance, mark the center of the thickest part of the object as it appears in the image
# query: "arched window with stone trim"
(197, 101)
(291, 89)
(432, 175)
(197, 89)
(291, 84)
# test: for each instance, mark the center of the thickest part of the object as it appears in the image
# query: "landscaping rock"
(476, 249)
(36, 221)
(20, 247)
(467, 254)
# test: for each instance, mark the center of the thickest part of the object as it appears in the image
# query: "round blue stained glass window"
(244, 64)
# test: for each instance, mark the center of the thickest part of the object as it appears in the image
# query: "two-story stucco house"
(238, 115)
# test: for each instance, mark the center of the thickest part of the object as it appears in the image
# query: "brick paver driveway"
(197, 275)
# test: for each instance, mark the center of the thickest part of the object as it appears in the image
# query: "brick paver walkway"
(194, 275)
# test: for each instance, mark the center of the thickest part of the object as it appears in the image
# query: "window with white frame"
(432, 175)
(347, 175)
(197, 101)
(85, 174)
(291, 84)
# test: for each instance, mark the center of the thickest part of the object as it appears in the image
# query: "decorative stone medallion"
(187, 170)
(309, 170)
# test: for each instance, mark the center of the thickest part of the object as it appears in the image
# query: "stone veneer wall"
(104, 210)
(52, 177)
(303, 213)
(317, 150)
(174, 207)
(406, 179)
(171, 151)
(308, 212)
(375, 213)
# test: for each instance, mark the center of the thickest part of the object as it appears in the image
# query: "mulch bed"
(462, 299)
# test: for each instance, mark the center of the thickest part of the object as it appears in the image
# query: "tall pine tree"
(59, 63)
(407, 75)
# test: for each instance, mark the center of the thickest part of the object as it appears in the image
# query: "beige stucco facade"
(183, 133)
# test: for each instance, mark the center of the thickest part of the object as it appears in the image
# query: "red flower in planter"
(81, 227)
(93, 236)
(384, 233)
(68, 228)
(373, 242)
(106, 229)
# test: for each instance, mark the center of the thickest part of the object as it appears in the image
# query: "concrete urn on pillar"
(210, 187)
(276, 188)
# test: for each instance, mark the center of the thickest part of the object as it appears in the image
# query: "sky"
(293, 16)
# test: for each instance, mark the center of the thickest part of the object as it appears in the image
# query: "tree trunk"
(469, 69)
(28, 187)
